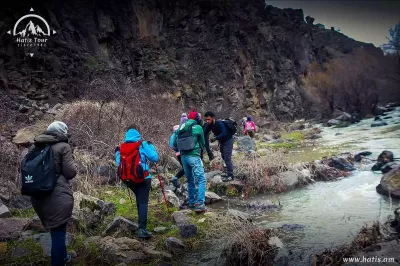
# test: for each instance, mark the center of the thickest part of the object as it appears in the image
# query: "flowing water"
(333, 212)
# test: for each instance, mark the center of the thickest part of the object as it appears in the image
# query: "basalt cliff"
(237, 54)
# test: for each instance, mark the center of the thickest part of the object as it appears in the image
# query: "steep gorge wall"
(212, 54)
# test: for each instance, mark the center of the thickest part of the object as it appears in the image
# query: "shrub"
(259, 171)
(240, 242)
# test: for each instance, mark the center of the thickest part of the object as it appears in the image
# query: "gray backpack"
(185, 140)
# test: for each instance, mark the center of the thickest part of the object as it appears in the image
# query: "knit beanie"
(183, 118)
(58, 127)
(193, 115)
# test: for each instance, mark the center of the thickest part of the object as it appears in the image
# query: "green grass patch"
(275, 146)
(28, 252)
(297, 136)
(28, 213)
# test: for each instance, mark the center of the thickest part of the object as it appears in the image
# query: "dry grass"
(100, 127)
(240, 242)
(259, 171)
(367, 236)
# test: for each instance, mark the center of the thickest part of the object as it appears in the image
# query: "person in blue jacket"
(141, 190)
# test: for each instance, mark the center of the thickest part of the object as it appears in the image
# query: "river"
(333, 212)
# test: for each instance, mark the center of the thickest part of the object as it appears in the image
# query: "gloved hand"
(213, 140)
(211, 156)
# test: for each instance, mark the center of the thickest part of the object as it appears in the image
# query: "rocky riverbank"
(103, 227)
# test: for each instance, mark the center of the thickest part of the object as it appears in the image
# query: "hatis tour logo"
(31, 30)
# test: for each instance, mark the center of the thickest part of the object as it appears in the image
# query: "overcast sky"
(366, 21)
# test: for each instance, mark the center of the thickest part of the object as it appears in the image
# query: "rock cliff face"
(234, 54)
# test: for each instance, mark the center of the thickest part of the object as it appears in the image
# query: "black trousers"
(181, 172)
(141, 191)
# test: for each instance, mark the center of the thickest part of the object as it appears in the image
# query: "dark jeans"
(141, 191)
(226, 149)
(208, 149)
(58, 246)
(182, 171)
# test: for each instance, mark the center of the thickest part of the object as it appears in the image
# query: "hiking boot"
(175, 182)
(68, 258)
(144, 234)
(200, 208)
(185, 207)
(227, 178)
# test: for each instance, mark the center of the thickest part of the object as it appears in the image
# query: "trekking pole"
(162, 189)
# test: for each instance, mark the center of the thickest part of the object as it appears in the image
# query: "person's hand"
(210, 156)
(213, 140)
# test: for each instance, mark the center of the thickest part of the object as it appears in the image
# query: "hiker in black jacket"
(225, 138)
(203, 125)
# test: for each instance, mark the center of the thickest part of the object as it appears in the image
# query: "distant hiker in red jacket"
(250, 127)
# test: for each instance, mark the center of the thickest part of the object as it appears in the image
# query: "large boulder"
(173, 163)
(340, 163)
(121, 249)
(187, 230)
(7, 190)
(379, 123)
(390, 183)
(84, 201)
(323, 172)
(182, 220)
(174, 244)
(107, 174)
(227, 188)
(345, 117)
(36, 224)
(120, 224)
(246, 144)
(85, 218)
(181, 217)
(124, 250)
(258, 205)
(20, 202)
(333, 122)
(210, 175)
(172, 198)
(4, 211)
(388, 167)
(212, 197)
(45, 241)
(289, 179)
(11, 228)
(282, 253)
(242, 216)
(359, 155)
(383, 158)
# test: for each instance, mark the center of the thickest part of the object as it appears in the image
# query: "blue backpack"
(38, 172)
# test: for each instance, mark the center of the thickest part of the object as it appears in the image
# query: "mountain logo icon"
(30, 28)
(31, 31)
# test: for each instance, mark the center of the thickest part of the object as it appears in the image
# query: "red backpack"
(130, 168)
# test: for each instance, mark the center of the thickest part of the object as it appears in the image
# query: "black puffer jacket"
(56, 209)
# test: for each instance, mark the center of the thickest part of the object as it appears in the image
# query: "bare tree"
(394, 40)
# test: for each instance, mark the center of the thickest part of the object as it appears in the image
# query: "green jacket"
(198, 135)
